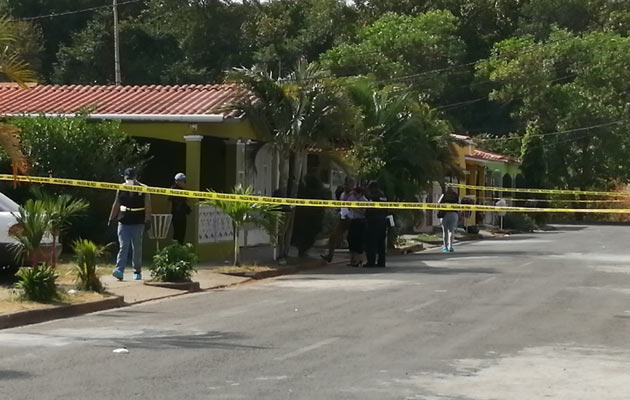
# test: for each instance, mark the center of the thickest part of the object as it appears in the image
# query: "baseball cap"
(180, 177)
(130, 173)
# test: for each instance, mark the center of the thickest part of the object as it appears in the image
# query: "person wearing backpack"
(449, 219)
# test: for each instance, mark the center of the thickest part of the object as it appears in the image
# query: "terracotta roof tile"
(485, 155)
(153, 99)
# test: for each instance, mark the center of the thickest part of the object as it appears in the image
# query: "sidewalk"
(135, 292)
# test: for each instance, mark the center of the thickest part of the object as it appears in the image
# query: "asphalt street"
(533, 316)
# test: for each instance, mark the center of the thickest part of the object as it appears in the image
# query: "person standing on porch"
(179, 209)
(132, 210)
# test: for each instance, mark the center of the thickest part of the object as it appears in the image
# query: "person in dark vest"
(179, 209)
(132, 210)
(377, 223)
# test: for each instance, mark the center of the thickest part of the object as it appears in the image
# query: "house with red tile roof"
(484, 168)
(478, 168)
(189, 130)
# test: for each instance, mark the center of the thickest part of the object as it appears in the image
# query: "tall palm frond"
(60, 210)
(266, 216)
(32, 225)
(14, 69)
(10, 142)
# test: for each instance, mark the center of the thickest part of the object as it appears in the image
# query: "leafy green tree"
(399, 46)
(58, 146)
(283, 32)
(208, 34)
(56, 30)
(533, 162)
(567, 84)
(403, 143)
(147, 57)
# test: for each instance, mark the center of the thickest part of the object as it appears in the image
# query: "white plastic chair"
(160, 225)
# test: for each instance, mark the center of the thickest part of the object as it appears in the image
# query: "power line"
(557, 132)
(72, 12)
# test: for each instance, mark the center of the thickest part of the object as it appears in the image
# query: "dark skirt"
(356, 235)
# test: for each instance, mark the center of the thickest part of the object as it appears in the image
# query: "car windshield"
(8, 205)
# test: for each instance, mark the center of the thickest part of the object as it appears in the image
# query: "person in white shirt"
(343, 224)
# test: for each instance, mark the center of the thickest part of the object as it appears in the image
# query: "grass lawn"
(9, 301)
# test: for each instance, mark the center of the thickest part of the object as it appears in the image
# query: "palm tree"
(32, 225)
(13, 69)
(264, 215)
(403, 143)
(88, 255)
(294, 114)
(60, 210)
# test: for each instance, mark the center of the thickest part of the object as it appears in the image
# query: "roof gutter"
(185, 118)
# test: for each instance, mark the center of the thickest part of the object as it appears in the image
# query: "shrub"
(174, 263)
(33, 223)
(38, 283)
(518, 221)
(88, 254)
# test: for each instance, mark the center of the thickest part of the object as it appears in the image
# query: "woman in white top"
(356, 232)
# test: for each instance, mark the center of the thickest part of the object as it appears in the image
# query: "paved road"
(528, 317)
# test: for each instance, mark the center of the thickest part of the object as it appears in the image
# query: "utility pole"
(116, 45)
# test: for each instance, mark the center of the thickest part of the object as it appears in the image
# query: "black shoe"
(370, 265)
(357, 264)
(328, 259)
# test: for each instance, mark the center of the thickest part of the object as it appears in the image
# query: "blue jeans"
(129, 238)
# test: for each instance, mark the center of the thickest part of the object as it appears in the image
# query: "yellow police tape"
(540, 191)
(294, 202)
(556, 200)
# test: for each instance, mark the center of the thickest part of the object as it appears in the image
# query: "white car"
(8, 223)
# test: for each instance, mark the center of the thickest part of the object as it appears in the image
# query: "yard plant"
(174, 263)
(38, 284)
(267, 216)
(87, 256)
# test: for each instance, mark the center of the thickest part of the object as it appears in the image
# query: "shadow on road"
(126, 312)
(10, 374)
(207, 340)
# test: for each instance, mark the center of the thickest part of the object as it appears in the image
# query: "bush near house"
(67, 148)
(174, 263)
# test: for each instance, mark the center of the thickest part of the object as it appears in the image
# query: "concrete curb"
(281, 271)
(29, 317)
(190, 287)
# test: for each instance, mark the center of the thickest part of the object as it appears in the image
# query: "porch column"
(193, 182)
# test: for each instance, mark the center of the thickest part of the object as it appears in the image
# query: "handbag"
(441, 213)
